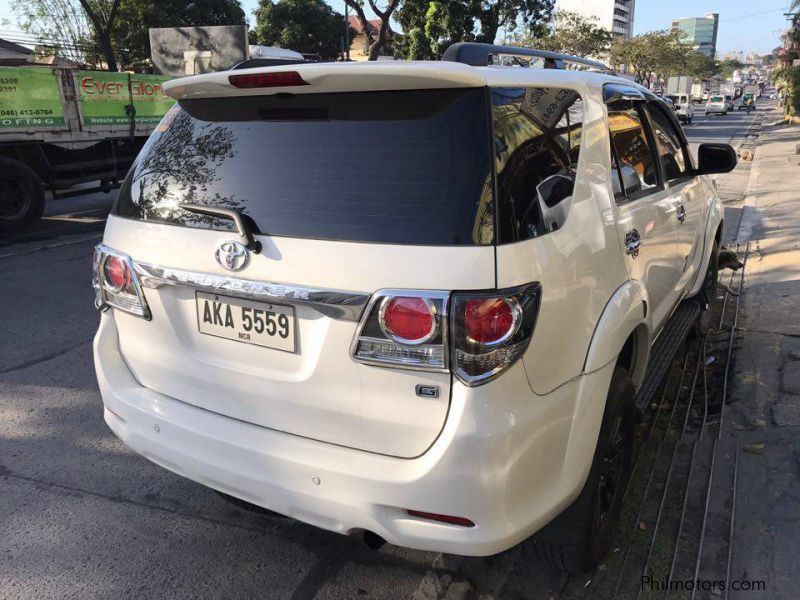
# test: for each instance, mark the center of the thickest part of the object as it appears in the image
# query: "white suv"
(412, 299)
(716, 105)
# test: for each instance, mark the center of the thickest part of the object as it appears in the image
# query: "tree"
(700, 65)
(309, 26)
(384, 31)
(444, 22)
(572, 33)
(657, 52)
(728, 66)
(132, 42)
(60, 27)
(102, 15)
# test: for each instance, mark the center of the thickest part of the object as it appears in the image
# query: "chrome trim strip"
(336, 304)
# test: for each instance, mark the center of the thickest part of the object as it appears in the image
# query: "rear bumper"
(507, 459)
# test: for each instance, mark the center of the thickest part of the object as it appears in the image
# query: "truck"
(62, 126)
(680, 85)
(753, 89)
(697, 92)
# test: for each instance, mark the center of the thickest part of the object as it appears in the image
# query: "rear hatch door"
(348, 193)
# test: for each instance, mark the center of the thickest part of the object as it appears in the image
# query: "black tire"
(21, 196)
(578, 539)
(705, 297)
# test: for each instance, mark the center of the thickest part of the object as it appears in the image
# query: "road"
(81, 516)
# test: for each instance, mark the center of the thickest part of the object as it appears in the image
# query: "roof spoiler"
(251, 63)
(480, 55)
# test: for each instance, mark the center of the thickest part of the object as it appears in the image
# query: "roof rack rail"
(480, 55)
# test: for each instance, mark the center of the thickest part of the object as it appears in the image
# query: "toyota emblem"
(232, 256)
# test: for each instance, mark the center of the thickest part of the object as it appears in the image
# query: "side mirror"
(715, 158)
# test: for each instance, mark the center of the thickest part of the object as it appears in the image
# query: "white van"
(684, 106)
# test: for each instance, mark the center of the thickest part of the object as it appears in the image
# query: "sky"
(744, 25)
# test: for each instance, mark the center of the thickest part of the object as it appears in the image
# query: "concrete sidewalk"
(764, 411)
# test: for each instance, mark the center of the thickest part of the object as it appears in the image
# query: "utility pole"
(346, 32)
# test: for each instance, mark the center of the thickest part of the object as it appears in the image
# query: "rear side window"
(635, 171)
(668, 142)
(537, 142)
(400, 167)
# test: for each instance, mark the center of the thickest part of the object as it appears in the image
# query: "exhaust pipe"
(372, 540)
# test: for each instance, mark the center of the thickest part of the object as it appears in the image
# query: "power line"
(763, 12)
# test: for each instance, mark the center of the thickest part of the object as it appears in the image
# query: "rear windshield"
(716, 98)
(401, 167)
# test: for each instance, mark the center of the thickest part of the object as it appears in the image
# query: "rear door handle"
(632, 243)
(680, 213)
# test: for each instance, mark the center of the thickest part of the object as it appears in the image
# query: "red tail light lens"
(116, 274)
(408, 320)
(489, 321)
(267, 80)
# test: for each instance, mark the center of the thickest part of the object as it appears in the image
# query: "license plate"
(259, 323)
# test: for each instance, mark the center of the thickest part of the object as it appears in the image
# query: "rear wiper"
(241, 221)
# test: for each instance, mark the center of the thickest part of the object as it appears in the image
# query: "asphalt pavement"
(81, 516)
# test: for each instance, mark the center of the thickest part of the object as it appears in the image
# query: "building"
(614, 15)
(736, 55)
(359, 42)
(13, 54)
(700, 32)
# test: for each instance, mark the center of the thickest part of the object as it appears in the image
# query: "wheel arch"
(623, 332)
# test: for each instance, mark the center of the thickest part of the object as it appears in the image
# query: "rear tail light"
(404, 328)
(486, 331)
(491, 330)
(116, 284)
(267, 80)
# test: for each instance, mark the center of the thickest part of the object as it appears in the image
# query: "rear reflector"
(450, 520)
(267, 80)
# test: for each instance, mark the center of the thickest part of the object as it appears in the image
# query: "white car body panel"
(318, 392)
(656, 265)
(506, 426)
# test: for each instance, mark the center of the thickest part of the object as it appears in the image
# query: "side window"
(537, 142)
(668, 142)
(635, 171)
